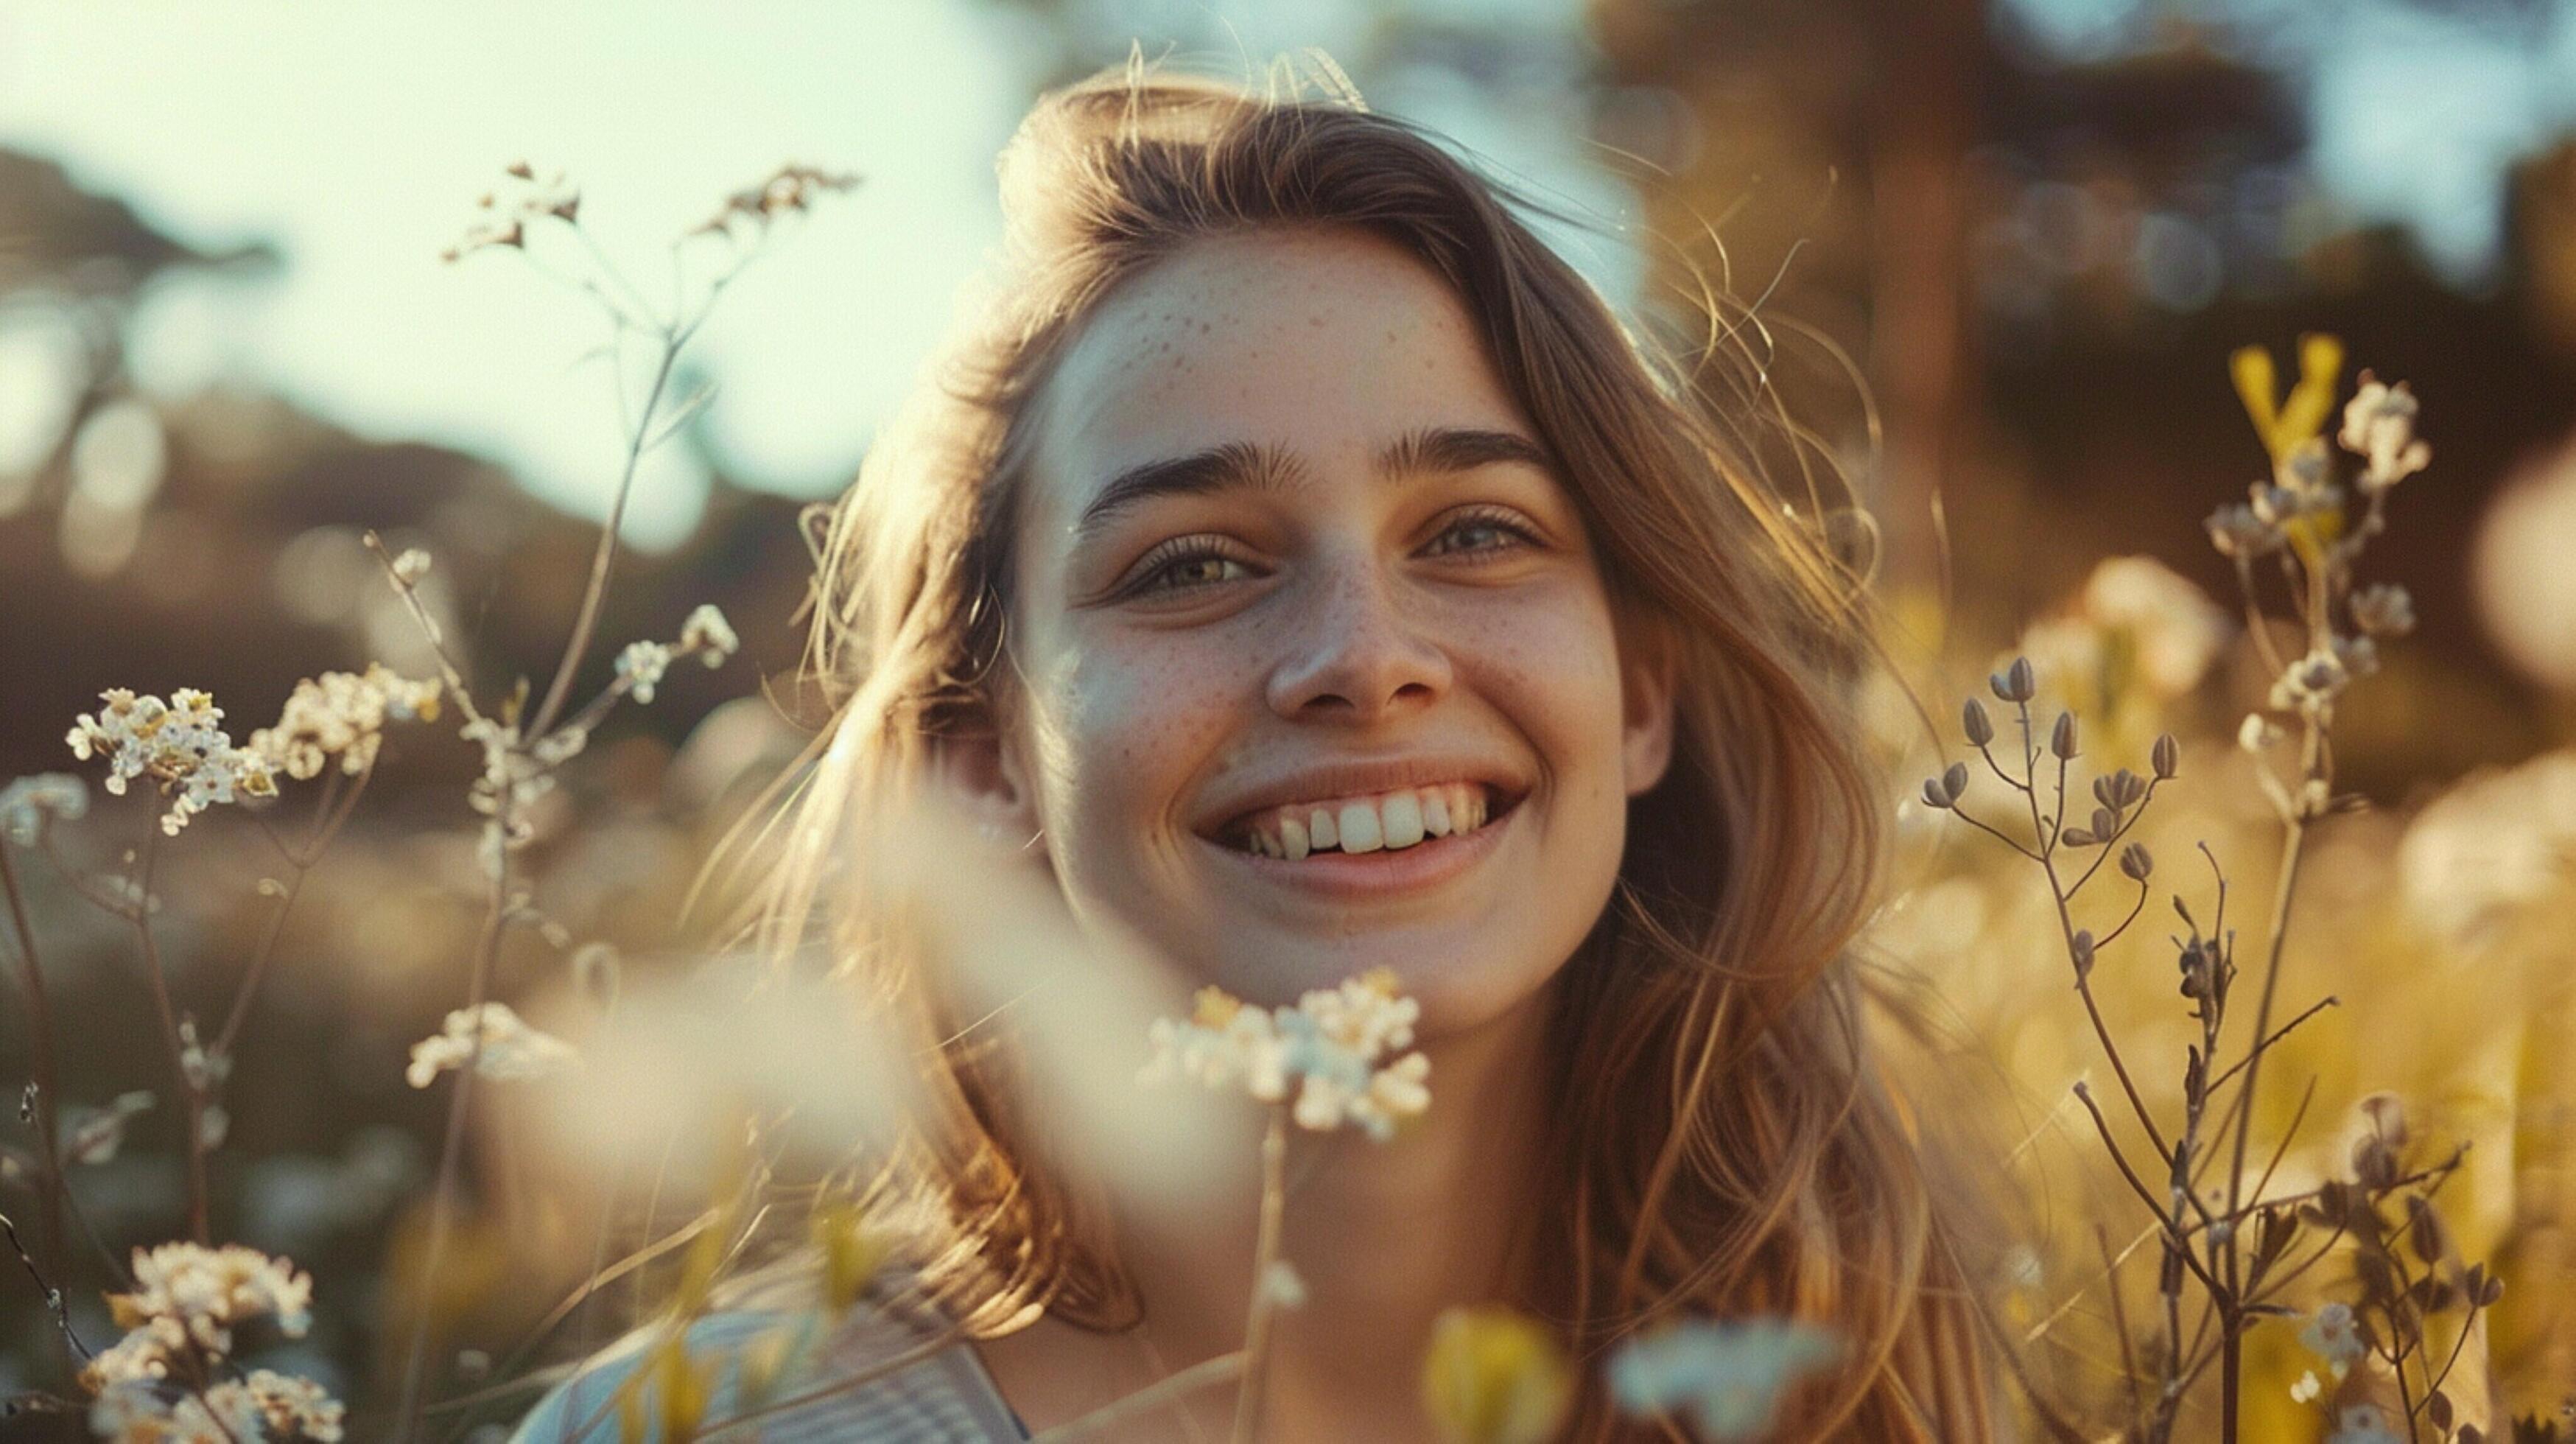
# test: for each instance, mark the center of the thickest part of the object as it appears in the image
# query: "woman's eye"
(1189, 570)
(1480, 534)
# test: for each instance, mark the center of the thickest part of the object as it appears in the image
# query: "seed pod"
(2167, 756)
(2081, 949)
(2105, 823)
(2373, 1164)
(2493, 1291)
(2129, 788)
(2061, 740)
(1974, 722)
(2424, 1228)
(1955, 780)
(2077, 837)
(2438, 1409)
(1935, 796)
(2136, 862)
(2015, 683)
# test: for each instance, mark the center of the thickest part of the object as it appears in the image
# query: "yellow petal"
(2303, 416)
(2258, 388)
(1493, 1376)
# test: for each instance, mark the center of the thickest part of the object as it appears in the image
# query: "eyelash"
(1163, 559)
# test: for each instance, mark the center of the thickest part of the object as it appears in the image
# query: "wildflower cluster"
(28, 803)
(343, 715)
(164, 1380)
(178, 745)
(503, 216)
(510, 1048)
(789, 188)
(2319, 526)
(1330, 1047)
(706, 634)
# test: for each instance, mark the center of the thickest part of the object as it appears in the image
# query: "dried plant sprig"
(522, 749)
(2239, 1252)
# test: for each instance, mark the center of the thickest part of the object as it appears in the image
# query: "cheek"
(1130, 720)
(1551, 667)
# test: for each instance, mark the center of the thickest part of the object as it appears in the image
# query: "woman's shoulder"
(889, 1372)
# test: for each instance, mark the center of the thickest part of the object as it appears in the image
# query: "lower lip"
(1426, 864)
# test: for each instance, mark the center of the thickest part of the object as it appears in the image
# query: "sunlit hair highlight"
(1724, 1144)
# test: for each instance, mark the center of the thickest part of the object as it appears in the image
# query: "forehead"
(1319, 341)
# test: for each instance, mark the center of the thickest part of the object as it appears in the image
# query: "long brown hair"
(1725, 1145)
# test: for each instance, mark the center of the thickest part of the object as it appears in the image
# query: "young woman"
(1289, 473)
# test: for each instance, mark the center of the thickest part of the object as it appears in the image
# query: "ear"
(1648, 673)
(981, 767)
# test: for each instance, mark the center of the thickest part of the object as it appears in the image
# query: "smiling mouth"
(1371, 822)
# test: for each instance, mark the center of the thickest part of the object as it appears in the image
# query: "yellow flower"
(2286, 424)
(1493, 1376)
(852, 1253)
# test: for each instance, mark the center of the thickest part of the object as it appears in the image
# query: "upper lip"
(1353, 779)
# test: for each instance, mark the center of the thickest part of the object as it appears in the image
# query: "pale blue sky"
(356, 138)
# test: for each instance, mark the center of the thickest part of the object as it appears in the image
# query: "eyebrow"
(1267, 467)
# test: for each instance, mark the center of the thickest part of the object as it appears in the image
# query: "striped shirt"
(943, 1397)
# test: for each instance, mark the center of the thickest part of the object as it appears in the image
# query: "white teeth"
(1358, 826)
(1388, 821)
(1401, 815)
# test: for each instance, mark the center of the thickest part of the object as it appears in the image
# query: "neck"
(1384, 1236)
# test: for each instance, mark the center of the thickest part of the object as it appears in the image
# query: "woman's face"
(1316, 669)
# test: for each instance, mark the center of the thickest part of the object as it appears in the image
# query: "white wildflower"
(288, 1407)
(511, 1048)
(2334, 1336)
(708, 634)
(1728, 1376)
(2307, 1389)
(1329, 1047)
(176, 744)
(2363, 1424)
(2379, 426)
(265, 1406)
(642, 665)
(186, 1302)
(343, 715)
(2258, 732)
(28, 802)
(2309, 685)
(411, 566)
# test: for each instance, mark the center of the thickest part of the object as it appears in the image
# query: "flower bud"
(2015, 683)
(2105, 823)
(2137, 862)
(2167, 757)
(2081, 949)
(2061, 741)
(1954, 780)
(1973, 721)
(1935, 795)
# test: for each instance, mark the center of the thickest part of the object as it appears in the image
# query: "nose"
(1358, 652)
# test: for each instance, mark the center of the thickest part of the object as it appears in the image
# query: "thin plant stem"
(327, 822)
(192, 1101)
(40, 1042)
(1265, 1252)
(2293, 850)
(605, 556)
(443, 1196)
